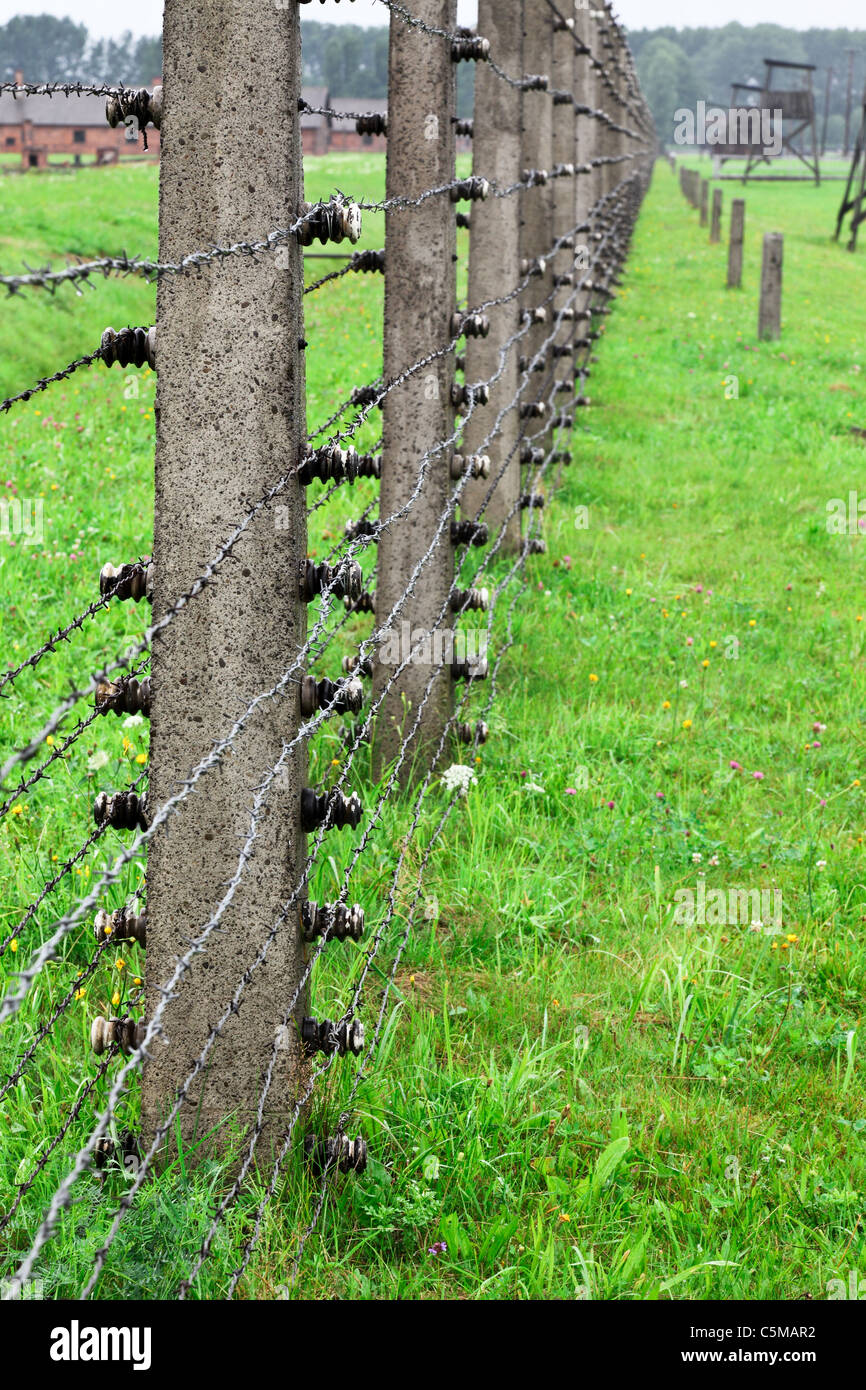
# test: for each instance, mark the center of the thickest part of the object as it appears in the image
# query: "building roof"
(77, 110)
(73, 110)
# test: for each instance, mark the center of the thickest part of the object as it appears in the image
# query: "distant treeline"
(677, 67)
(54, 50)
(349, 59)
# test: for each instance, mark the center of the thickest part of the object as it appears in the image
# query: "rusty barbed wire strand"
(12, 1002)
(205, 1248)
(24, 754)
(387, 520)
(61, 1197)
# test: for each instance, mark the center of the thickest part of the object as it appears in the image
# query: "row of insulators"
(537, 410)
(321, 1035)
(338, 220)
(367, 395)
(469, 47)
(473, 668)
(461, 601)
(472, 190)
(144, 106)
(469, 325)
(121, 810)
(469, 733)
(126, 696)
(365, 604)
(106, 1151)
(470, 465)
(363, 528)
(469, 395)
(369, 262)
(469, 533)
(341, 1153)
(334, 920)
(337, 920)
(134, 580)
(128, 811)
(340, 697)
(345, 580)
(124, 924)
(331, 809)
(129, 347)
(373, 123)
(331, 464)
(126, 1033)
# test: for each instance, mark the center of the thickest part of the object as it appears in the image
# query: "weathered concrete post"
(586, 181)
(716, 218)
(420, 302)
(494, 263)
(230, 420)
(735, 247)
(563, 73)
(770, 312)
(536, 204)
(585, 127)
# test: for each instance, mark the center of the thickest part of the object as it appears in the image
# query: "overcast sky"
(108, 18)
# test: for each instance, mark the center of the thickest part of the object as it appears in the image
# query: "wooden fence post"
(230, 421)
(420, 303)
(716, 220)
(494, 262)
(704, 199)
(735, 248)
(770, 312)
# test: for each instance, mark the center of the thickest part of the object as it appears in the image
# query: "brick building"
(35, 127)
(38, 126)
(314, 128)
(343, 135)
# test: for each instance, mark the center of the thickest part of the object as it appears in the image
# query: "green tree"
(43, 48)
(668, 81)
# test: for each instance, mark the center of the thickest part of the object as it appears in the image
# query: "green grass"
(579, 1094)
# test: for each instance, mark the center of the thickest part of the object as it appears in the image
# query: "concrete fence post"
(230, 421)
(735, 246)
(536, 203)
(770, 312)
(716, 217)
(420, 303)
(494, 262)
(564, 65)
(585, 184)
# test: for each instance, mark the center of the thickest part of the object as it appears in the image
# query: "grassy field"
(582, 1095)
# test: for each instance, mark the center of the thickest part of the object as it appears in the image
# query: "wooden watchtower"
(797, 105)
(854, 200)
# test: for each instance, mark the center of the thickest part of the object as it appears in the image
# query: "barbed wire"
(359, 849)
(324, 631)
(12, 1002)
(61, 1196)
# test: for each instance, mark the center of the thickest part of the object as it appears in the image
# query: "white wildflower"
(459, 778)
